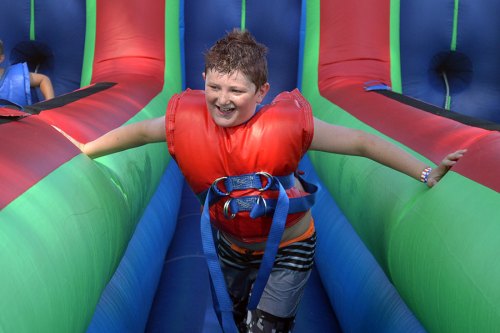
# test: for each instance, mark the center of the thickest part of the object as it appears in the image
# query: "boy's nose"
(223, 98)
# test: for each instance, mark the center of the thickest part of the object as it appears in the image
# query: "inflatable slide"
(112, 244)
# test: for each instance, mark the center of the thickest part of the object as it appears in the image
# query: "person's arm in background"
(124, 137)
(44, 83)
(343, 140)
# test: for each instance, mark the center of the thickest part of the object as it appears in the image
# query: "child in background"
(220, 140)
(16, 81)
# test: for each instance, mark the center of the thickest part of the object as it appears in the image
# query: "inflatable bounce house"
(112, 244)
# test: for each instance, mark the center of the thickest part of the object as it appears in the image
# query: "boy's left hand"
(445, 165)
(70, 138)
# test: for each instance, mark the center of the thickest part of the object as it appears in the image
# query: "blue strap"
(272, 244)
(254, 180)
(281, 208)
(244, 182)
(259, 206)
(225, 307)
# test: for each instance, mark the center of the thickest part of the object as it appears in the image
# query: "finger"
(459, 153)
(454, 156)
(431, 182)
(448, 163)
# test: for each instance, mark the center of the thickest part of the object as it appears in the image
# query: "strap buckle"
(215, 187)
(257, 207)
(225, 210)
(269, 179)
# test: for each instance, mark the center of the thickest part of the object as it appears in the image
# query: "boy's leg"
(239, 275)
(262, 322)
(284, 289)
(279, 302)
(239, 283)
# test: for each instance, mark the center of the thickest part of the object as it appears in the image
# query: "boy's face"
(231, 98)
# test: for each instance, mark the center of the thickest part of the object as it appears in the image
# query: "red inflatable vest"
(272, 141)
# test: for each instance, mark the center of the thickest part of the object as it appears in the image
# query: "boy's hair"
(1, 47)
(239, 51)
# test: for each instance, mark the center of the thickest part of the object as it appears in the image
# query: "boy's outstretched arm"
(343, 140)
(124, 137)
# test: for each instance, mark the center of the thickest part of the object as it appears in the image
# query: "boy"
(16, 80)
(233, 144)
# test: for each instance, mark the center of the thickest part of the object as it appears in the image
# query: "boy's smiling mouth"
(226, 109)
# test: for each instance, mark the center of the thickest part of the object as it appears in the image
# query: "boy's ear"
(203, 76)
(262, 91)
